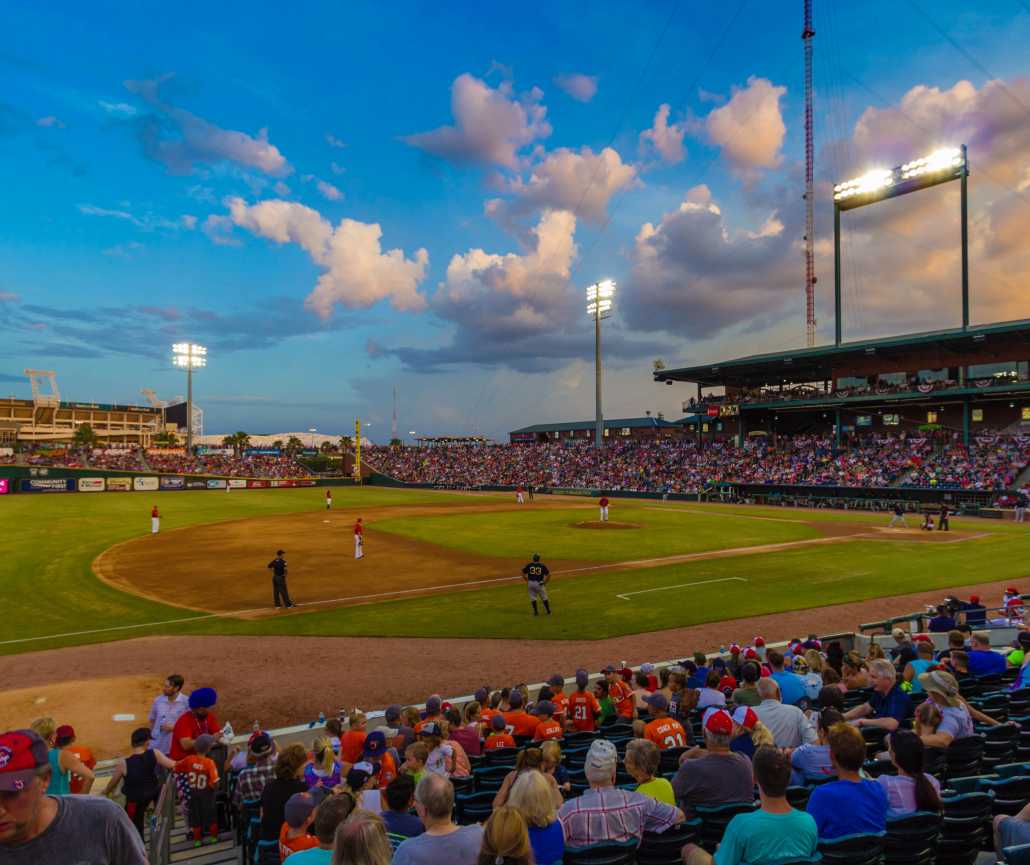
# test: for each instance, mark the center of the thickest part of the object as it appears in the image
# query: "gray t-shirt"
(956, 721)
(87, 830)
(714, 780)
(458, 848)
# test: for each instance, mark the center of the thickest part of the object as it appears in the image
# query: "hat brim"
(930, 686)
(16, 782)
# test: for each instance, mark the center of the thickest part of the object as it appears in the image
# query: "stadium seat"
(964, 826)
(912, 840)
(964, 756)
(715, 819)
(474, 807)
(874, 740)
(859, 849)
(1010, 794)
(501, 757)
(663, 848)
(1017, 855)
(1019, 702)
(1000, 745)
(463, 785)
(603, 854)
(798, 797)
(669, 759)
(1007, 770)
(491, 777)
(580, 737)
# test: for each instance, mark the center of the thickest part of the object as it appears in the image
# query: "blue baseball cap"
(375, 744)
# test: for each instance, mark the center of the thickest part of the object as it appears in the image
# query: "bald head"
(435, 794)
(768, 689)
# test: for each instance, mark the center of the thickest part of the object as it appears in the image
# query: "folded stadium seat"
(1007, 770)
(491, 777)
(964, 757)
(874, 740)
(603, 854)
(965, 828)
(580, 737)
(1017, 855)
(1023, 745)
(1000, 745)
(474, 807)
(575, 758)
(1019, 702)
(248, 828)
(1010, 675)
(969, 784)
(475, 760)
(912, 840)
(464, 785)
(995, 704)
(523, 741)
(860, 849)
(798, 797)
(663, 848)
(715, 819)
(975, 686)
(1010, 794)
(669, 759)
(500, 757)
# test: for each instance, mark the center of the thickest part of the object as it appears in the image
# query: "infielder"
(536, 574)
(359, 540)
(279, 591)
(520, 495)
(604, 508)
(899, 516)
(155, 521)
(328, 500)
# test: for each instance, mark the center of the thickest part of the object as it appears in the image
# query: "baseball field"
(80, 569)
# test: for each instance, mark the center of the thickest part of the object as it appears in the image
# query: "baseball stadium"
(784, 625)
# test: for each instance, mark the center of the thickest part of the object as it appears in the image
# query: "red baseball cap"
(22, 753)
(734, 649)
(751, 654)
(974, 599)
(719, 722)
(745, 716)
(759, 641)
(1012, 590)
(65, 731)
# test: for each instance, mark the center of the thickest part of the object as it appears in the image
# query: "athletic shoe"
(210, 840)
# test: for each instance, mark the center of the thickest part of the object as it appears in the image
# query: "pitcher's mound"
(607, 524)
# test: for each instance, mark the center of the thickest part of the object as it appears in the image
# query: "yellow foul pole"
(357, 450)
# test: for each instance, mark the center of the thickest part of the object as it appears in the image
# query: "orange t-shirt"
(622, 696)
(78, 785)
(583, 710)
(294, 845)
(498, 740)
(387, 770)
(352, 746)
(521, 723)
(200, 771)
(666, 733)
(424, 721)
(561, 704)
(547, 729)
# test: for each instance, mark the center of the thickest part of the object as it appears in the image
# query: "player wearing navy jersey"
(536, 574)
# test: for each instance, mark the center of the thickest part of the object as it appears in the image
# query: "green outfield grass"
(49, 542)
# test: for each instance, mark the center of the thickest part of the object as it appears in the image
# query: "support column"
(836, 427)
(836, 275)
(965, 421)
(965, 241)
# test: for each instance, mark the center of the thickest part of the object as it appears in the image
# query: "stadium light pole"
(599, 305)
(312, 430)
(189, 356)
(941, 166)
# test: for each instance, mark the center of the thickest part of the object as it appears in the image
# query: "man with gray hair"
(443, 840)
(714, 775)
(888, 705)
(606, 815)
(788, 724)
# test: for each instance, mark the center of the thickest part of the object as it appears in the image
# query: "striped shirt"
(608, 815)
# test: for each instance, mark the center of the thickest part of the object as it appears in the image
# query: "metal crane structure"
(807, 35)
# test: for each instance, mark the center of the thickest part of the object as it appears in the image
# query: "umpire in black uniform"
(279, 591)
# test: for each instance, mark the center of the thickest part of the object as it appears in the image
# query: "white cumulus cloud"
(329, 191)
(749, 129)
(664, 138)
(580, 87)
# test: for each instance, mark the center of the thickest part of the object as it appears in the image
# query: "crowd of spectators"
(224, 465)
(129, 459)
(644, 750)
(679, 465)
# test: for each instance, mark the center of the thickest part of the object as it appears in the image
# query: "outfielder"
(520, 495)
(1021, 502)
(899, 516)
(359, 540)
(536, 574)
(604, 508)
(328, 500)
(155, 521)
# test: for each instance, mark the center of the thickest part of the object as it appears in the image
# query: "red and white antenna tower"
(807, 35)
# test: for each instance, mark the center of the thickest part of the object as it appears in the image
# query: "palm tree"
(85, 437)
(294, 446)
(278, 444)
(238, 441)
(345, 443)
(166, 440)
(328, 447)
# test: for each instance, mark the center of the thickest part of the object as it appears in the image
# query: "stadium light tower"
(941, 166)
(189, 356)
(599, 305)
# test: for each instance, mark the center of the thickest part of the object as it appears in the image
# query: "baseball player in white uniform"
(359, 540)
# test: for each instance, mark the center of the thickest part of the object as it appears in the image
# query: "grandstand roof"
(955, 347)
(612, 423)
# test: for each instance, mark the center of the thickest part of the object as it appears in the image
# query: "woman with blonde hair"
(531, 796)
(324, 769)
(361, 840)
(506, 839)
(854, 672)
(529, 759)
(875, 652)
(63, 763)
(816, 664)
(552, 765)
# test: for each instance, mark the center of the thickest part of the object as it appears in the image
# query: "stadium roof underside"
(933, 350)
(611, 423)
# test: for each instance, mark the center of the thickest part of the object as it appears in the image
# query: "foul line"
(689, 510)
(626, 596)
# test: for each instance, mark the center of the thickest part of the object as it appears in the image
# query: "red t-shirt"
(561, 705)
(622, 696)
(521, 723)
(498, 740)
(583, 710)
(352, 746)
(294, 845)
(547, 729)
(189, 726)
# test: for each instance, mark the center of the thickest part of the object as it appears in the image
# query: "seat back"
(1016, 855)
(715, 819)
(964, 756)
(474, 807)
(669, 759)
(664, 848)
(491, 777)
(1010, 794)
(602, 854)
(500, 757)
(798, 797)
(912, 840)
(859, 849)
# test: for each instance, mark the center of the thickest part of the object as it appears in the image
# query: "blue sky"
(340, 200)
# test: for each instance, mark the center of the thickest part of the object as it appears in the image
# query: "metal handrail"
(164, 822)
(887, 625)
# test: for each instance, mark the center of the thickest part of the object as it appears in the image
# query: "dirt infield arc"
(221, 568)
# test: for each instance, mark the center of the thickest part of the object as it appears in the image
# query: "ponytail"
(908, 752)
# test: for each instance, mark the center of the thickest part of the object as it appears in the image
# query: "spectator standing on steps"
(166, 709)
(279, 591)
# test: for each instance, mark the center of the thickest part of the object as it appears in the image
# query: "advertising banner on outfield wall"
(143, 485)
(170, 482)
(305, 482)
(256, 484)
(5, 486)
(215, 484)
(47, 485)
(119, 485)
(238, 483)
(91, 485)
(261, 452)
(208, 450)
(196, 484)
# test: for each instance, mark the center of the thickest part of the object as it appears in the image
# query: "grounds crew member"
(279, 590)
(536, 574)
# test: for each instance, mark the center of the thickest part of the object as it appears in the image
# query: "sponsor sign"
(261, 452)
(210, 450)
(196, 484)
(731, 410)
(172, 482)
(253, 484)
(712, 411)
(309, 452)
(305, 482)
(5, 486)
(891, 420)
(47, 485)
(238, 483)
(91, 485)
(119, 485)
(864, 420)
(215, 484)
(143, 485)
(172, 452)
(523, 437)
